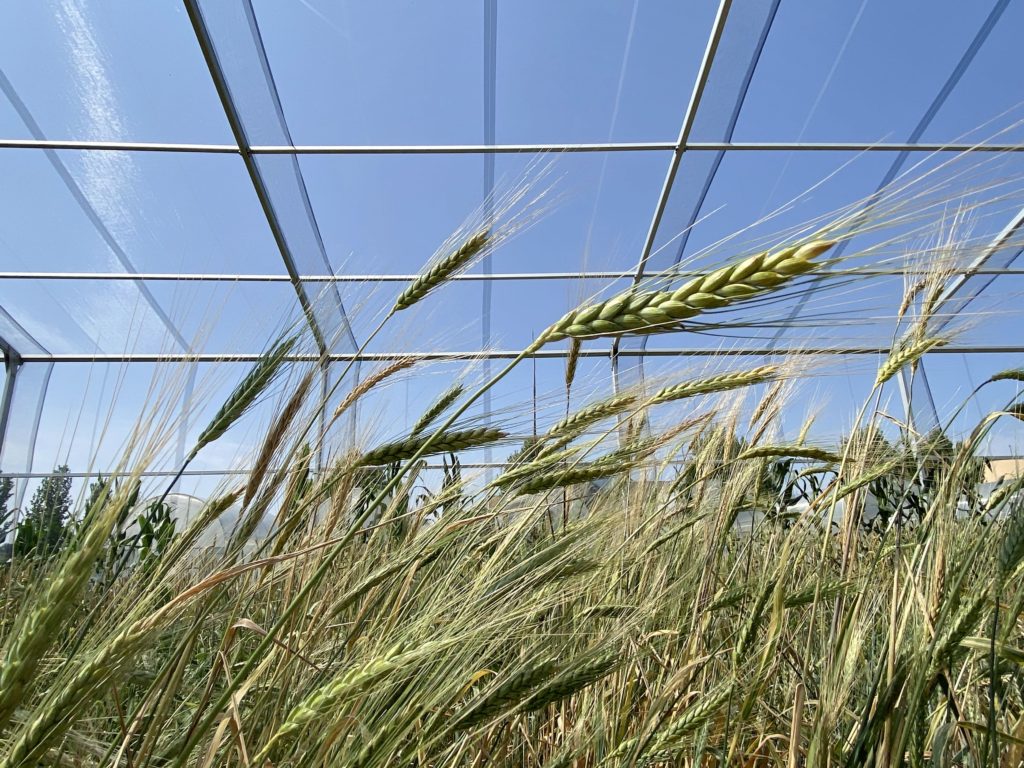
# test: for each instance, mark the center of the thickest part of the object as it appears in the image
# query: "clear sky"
(390, 72)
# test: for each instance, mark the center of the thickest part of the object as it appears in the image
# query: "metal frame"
(682, 145)
(12, 364)
(504, 354)
(717, 29)
(262, 193)
(194, 277)
(505, 149)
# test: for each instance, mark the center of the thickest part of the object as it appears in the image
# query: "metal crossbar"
(501, 354)
(505, 149)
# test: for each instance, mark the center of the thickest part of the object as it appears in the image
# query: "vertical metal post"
(490, 99)
(12, 363)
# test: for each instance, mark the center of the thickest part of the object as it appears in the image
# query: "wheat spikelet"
(787, 451)
(908, 297)
(371, 381)
(643, 312)
(958, 629)
(904, 355)
(824, 591)
(576, 422)
(245, 394)
(571, 362)
(714, 384)
(53, 719)
(867, 477)
(663, 749)
(530, 468)
(455, 440)
(1011, 548)
(571, 680)
(1002, 493)
(37, 626)
(749, 631)
(442, 270)
(323, 701)
(1011, 374)
(505, 696)
(276, 435)
(607, 466)
(439, 406)
(290, 513)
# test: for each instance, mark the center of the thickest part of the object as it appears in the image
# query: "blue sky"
(412, 73)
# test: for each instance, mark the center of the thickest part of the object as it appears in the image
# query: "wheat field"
(658, 578)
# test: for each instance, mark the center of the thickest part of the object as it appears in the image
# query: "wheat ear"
(439, 406)
(1012, 374)
(245, 394)
(789, 451)
(454, 440)
(644, 312)
(442, 271)
(906, 354)
(571, 363)
(371, 381)
(276, 435)
(324, 701)
(38, 627)
(662, 750)
(714, 384)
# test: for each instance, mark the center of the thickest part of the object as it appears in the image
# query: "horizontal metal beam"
(738, 351)
(505, 149)
(198, 277)
(845, 146)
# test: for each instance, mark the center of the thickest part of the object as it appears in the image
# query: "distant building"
(999, 470)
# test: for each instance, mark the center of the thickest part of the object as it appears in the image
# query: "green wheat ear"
(245, 394)
(1011, 548)
(442, 271)
(1011, 374)
(645, 312)
(454, 440)
(904, 355)
(439, 406)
